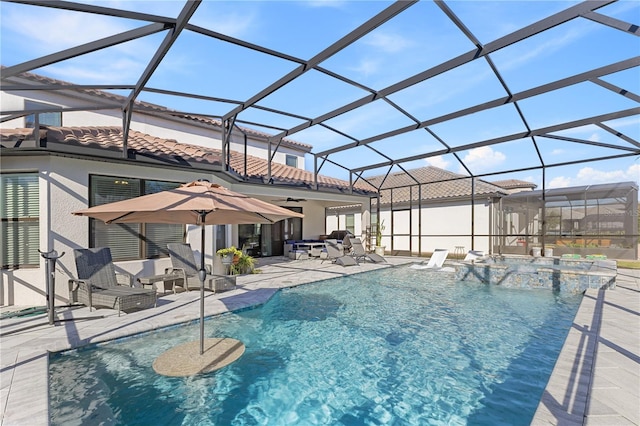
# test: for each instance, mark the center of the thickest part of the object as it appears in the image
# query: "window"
(292, 160)
(20, 212)
(44, 118)
(131, 240)
(350, 223)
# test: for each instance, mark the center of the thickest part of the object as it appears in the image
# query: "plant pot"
(536, 251)
(379, 250)
(227, 259)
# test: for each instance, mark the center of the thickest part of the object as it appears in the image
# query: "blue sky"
(419, 38)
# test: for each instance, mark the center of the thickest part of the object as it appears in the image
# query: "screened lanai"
(540, 92)
(587, 221)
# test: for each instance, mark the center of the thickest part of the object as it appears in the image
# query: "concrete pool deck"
(596, 380)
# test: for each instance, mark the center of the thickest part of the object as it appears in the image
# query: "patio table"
(170, 281)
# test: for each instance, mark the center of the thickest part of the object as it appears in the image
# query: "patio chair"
(99, 285)
(359, 253)
(336, 254)
(347, 245)
(473, 254)
(435, 261)
(183, 263)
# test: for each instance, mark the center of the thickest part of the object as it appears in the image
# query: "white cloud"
(387, 43)
(560, 182)
(482, 159)
(595, 137)
(63, 29)
(591, 176)
(233, 24)
(366, 67)
(557, 151)
(543, 49)
(437, 161)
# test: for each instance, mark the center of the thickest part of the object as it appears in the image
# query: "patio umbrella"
(200, 203)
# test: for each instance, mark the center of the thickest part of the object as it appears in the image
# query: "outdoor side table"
(169, 281)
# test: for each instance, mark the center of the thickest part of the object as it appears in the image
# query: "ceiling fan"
(290, 200)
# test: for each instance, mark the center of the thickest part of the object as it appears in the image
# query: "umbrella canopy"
(191, 203)
(199, 202)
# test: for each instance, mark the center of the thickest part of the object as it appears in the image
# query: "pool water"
(397, 346)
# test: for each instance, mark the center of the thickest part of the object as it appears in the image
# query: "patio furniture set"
(98, 283)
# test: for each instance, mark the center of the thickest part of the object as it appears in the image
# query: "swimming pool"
(395, 346)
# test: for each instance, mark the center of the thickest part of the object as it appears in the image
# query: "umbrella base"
(186, 360)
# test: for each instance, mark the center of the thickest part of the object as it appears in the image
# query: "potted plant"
(548, 250)
(379, 249)
(245, 264)
(229, 255)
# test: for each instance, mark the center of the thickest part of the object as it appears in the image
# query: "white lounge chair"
(474, 254)
(435, 261)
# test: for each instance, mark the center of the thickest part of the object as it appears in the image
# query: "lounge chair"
(183, 263)
(473, 254)
(336, 254)
(347, 245)
(435, 261)
(359, 253)
(99, 285)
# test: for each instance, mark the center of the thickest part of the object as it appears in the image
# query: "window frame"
(38, 117)
(351, 227)
(22, 261)
(142, 232)
(291, 158)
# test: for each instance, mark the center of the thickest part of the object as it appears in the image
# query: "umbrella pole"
(202, 274)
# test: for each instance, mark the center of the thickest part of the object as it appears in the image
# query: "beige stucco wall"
(451, 220)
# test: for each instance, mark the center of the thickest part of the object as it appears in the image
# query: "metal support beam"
(98, 10)
(185, 14)
(619, 134)
(127, 113)
(364, 29)
(537, 132)
(613, 23)
(519, 35)
(559, 84)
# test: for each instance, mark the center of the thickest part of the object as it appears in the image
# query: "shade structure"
(198, 202)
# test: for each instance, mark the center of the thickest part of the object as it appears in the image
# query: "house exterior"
(67, 156)
(428, 208)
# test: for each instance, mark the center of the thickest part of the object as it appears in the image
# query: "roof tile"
(436, 184)
(153, 107)
(110, 138)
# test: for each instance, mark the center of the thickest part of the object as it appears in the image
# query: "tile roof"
(149, 107)
(514, 183)
(438, 184)
(150, 149)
